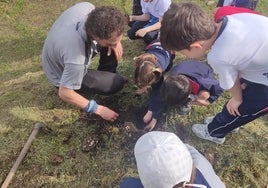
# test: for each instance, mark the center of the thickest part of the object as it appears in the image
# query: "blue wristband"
(91, 107)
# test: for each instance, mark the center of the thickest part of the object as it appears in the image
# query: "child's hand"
(232, 106)
(141, 32)
(201, 98)
(148, 116)
(201, 102)
(151, 125)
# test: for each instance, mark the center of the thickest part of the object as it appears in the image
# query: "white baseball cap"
(163, 160)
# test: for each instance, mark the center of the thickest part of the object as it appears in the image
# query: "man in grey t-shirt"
(74, 39)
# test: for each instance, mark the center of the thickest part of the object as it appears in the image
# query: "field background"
(55, 158)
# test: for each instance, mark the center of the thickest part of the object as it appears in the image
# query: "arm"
(142, 32)
(71, 97)
(143, 17)
(236, 100)
(206, 97)
(155, 107)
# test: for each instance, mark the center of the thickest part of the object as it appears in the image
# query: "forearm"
(153, 27)
(143, 17)
(71, 97)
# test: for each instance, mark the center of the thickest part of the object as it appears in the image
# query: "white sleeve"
(163, 7)
(227, 74)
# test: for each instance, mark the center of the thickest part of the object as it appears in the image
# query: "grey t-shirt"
(64, 54)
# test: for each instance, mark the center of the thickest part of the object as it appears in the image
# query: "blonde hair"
(147, 70)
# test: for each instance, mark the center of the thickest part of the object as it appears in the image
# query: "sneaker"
(236, 130)
(209, 119)
(201, 130)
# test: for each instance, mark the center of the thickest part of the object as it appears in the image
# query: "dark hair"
(147, 72)
(103, 21)
(175, 89)
(183, 24)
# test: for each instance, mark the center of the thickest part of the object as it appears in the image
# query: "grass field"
(56, 157)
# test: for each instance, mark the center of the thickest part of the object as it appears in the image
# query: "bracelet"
(91, 107)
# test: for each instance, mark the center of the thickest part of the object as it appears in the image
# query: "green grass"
(26, 97)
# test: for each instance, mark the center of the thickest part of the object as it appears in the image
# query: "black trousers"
(136, 9)
(104, 80)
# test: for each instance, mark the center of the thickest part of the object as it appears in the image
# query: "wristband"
(91, 107)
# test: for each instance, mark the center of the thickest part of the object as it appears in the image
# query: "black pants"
(136, 9)
(104, 80)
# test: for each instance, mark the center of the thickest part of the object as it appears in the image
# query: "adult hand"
(232, 106)
(106, 113)
(141, 32)
(118, 51)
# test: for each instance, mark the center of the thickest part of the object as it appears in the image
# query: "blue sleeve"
(155, 103)
(130, 182)
(215, 91)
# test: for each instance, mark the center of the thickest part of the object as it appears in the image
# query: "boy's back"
(242, 48)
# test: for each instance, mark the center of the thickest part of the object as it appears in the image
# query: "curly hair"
(183, 24)
(175, 89)
(147, 72)
(103, 21)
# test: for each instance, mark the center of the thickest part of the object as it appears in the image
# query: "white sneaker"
(236, 130)
(201, 130)
(209, 119)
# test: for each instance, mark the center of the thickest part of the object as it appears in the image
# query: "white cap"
(163, 160)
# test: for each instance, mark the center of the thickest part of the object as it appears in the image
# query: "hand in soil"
(150, 126)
